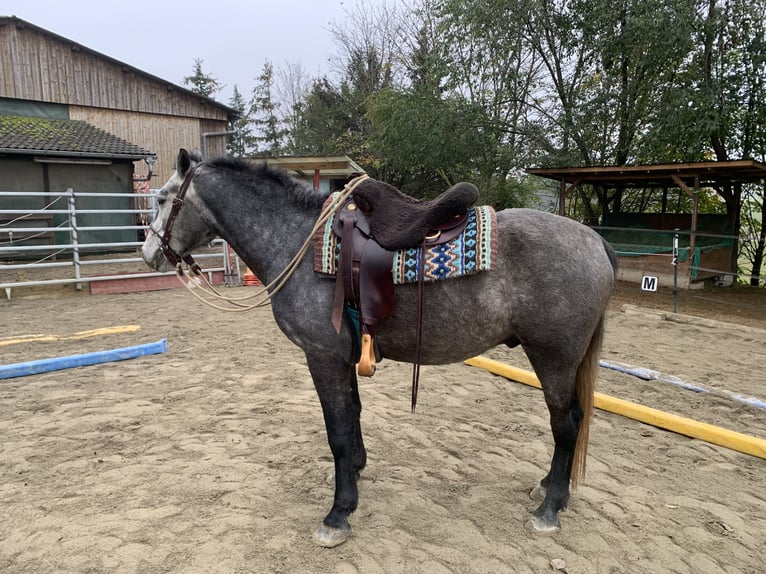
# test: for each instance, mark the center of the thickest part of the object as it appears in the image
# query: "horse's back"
(552, 276)
(545, 249)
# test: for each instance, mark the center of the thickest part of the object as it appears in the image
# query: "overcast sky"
(164, 37)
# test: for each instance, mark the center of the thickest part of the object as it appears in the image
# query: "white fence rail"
(46, 246)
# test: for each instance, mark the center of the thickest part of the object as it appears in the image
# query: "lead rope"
(199, 281)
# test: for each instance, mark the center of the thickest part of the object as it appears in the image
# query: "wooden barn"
(43, 75)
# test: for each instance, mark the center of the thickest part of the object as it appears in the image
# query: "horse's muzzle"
(151, 252)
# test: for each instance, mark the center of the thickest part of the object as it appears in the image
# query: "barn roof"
(63, 138)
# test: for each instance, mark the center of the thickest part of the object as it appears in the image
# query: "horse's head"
(178, 228)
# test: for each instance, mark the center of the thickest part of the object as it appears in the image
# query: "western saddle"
(375, 221)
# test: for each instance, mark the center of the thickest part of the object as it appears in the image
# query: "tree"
(607, 64)
(723, 85)
(433, 141)
(321, 119)
(202, 83)
(332, 119)
(753, 230)
(264, 113)
(372, 31)
(333, 116)
(242, 142)
(489, 64)
(291, 87)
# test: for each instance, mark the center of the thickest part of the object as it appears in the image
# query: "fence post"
(73, 234)
(675, 271)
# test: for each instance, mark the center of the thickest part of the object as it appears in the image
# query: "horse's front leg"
(336, 384)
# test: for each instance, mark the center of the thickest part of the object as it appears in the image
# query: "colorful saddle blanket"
(471, 252)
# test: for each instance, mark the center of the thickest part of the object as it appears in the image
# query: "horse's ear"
(183, 162)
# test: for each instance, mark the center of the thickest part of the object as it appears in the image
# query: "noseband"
(178, 201)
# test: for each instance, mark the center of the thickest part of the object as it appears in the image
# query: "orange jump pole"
(688, 427)
(74, 336)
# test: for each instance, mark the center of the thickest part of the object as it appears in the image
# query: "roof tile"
(45, 136)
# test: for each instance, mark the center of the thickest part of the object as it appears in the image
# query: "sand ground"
(212, 457)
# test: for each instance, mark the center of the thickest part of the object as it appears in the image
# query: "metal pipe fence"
(58, 253)
(73, 233)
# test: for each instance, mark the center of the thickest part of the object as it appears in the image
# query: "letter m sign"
(649, 283)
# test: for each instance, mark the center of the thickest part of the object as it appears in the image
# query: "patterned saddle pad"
(471, 252)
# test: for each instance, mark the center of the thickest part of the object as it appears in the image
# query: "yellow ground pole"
(16, 340)
(710, 433)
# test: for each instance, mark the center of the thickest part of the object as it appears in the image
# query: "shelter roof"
(64, 138)
(332, 167)
(695, 174)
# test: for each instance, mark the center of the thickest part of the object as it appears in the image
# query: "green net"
(637, 234)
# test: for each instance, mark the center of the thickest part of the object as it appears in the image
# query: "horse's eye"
(161, 199)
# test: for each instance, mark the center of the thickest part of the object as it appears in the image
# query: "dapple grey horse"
(549, 294)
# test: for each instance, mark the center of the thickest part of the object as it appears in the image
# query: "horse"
(549, 293)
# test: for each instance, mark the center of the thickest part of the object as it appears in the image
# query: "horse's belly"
(453, 328)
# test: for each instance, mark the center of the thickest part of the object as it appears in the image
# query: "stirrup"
(366, 366)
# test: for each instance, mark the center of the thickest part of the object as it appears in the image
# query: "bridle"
(265, 293)
(174, 258)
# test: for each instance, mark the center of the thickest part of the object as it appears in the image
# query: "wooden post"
(694, 195)
(564, 192)
(562, 196)
(695, 213)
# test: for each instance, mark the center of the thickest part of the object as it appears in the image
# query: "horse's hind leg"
(565, 418)
(568, 385)
(336, 386)
(557, 374)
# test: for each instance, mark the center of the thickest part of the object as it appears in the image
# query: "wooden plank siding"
(161, 134)
(37, 65)
(49, 69)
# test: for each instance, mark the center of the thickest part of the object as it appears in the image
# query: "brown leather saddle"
(373, 223)
(398, 221)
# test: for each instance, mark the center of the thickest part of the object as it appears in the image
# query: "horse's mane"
(299, 191)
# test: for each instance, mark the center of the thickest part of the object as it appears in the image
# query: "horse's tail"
(613, 261)
(585, 384)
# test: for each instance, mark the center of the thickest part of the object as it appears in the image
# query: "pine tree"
(202, 83)
(242, 142)
(263, 111)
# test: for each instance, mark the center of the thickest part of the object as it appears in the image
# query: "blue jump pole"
(84, 360)
(650, 375)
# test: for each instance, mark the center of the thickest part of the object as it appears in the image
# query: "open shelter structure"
(326, 173)
(644, 241)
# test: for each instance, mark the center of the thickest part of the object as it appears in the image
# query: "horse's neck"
(265, 235)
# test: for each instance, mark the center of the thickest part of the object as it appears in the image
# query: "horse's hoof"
(329, 537)
(545, 526)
